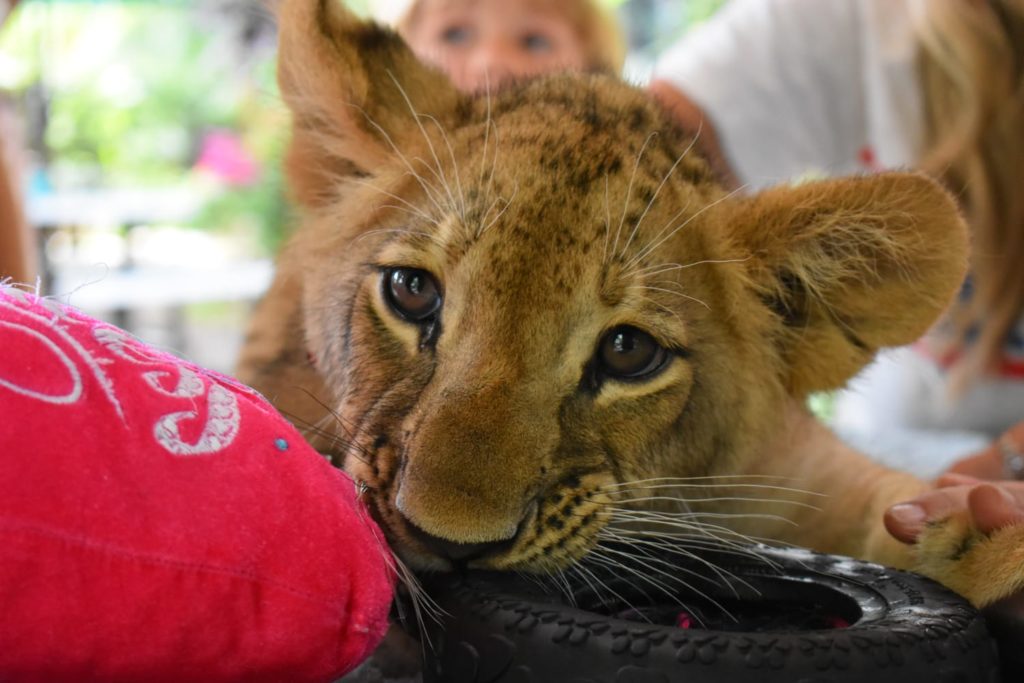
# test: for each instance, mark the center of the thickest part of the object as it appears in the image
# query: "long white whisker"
(661, 185)
(650, 248)
(647, 485)
(427, 187)
(658, 269)
(671, 291)
(629, 190)
(426, 137)
(607, 221)
(716, 499)
(725, 576)
(650, 563)
(508, 203)
(412, 208)
(455, 163)
(710, 477)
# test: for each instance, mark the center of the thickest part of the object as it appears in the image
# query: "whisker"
(662, 306)
(430, 143)
(671, 291)
(659, 268)
(607, 221)
(706, 529)
(412, 208)
(455, 164)
(682, 519)
(423, 605)
(593, 559)
(629, 190)
(661, 185)
(646, 486)
(508, 203)
(400, 231)
(650, 248)
(713, 499)
(706, 478)
(428, 188)
(651, 566)
(726, 577)
(619, 567)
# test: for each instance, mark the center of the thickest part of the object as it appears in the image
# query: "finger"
(987, 464)
(995, 507)
(905, 521)
(955, 479)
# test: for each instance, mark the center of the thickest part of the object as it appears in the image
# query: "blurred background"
(144, 136)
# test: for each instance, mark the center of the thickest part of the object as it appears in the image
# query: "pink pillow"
(161, 522)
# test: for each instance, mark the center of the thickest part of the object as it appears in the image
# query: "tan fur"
(550, 213)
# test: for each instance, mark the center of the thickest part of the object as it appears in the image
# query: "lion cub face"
(517, 304)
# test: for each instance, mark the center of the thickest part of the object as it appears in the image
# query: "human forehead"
(500, 12)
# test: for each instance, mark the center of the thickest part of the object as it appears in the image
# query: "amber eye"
(412, 293)
(628, 353)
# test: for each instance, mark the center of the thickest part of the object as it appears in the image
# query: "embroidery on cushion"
(75, 376)
(189, 385)
(19, 308)
(224, 416)
(219, 431)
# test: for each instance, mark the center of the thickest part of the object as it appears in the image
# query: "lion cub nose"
(454, 550)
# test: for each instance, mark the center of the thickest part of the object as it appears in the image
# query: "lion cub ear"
(356, 93)
(850, 266)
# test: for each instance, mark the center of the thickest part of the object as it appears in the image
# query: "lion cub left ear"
(357, 93)
(850, 266)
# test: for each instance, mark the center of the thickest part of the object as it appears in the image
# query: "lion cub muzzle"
(472, 469)
(458, 552)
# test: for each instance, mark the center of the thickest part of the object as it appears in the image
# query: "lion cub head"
(512, 304)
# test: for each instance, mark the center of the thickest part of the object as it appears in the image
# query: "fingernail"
(908, 515)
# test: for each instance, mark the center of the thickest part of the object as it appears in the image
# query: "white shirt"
(798, 87)
(829, 87)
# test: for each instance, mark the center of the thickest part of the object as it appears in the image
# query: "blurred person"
(17, 249)
(483, 43)
(780, 89)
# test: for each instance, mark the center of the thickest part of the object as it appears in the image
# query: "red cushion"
(161, 522)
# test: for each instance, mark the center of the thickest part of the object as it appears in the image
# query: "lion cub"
(534, 322)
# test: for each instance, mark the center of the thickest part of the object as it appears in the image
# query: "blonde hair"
(600, 34)
(972, 75)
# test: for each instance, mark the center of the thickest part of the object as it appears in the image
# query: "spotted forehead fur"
(556, 166)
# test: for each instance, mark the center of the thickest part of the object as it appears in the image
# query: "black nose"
(455, 551)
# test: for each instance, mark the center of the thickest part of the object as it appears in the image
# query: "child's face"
(484, 42)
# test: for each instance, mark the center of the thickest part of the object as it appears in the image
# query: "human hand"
(991, 506)
(1004, 459)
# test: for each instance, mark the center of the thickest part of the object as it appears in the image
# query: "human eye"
(536, 42)
(456, 35)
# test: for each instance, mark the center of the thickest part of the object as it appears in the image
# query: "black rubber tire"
(504, 629)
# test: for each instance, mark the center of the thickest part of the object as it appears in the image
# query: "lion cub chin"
(531, 325)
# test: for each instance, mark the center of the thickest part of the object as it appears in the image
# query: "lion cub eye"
(629, 353)
(412, 293)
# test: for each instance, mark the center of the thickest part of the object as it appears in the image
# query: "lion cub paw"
(983, 568)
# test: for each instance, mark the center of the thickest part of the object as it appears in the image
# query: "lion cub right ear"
(849, 266)
(356, 92)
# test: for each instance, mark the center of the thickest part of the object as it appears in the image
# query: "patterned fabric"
(161, 522)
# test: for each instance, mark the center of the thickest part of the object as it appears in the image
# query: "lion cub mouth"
(556, 530)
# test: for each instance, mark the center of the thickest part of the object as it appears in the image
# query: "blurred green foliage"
(700, 10)
(129, 86)
(132, 88)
